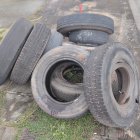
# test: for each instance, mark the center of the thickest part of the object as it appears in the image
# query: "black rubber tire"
(98, 90)
(40, 82)
(30, 54)
(63, 89)
(89, 37)
(85, 21)
(11, 46)
(55, 40)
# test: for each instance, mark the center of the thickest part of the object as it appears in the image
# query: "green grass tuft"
(2, 31)
(45, 127)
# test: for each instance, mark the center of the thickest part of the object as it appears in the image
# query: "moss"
(2, 31)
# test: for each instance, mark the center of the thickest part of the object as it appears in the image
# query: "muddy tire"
(85, 21)
(11, 46)
(40, 82)
(55, 40)
(89, 37)
(61, 87)
(30, 54)
(109, 109)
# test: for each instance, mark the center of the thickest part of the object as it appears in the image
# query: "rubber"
(55, 40)
(40, 82)
(62, 88)
(90, 37)
(65, 90)
(98, 91)
(85, 21)
(30, 54)
(11, 46)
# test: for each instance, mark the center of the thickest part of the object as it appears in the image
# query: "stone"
(26, 135)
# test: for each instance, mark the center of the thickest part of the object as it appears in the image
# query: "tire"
(63, 89)
(85, 21)
(116, 82)
(106, 107)
(40, 82)
(11, 46)
(30, 54)
(55, 40)
(91, 37)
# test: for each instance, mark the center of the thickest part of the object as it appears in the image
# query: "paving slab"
(9, 134)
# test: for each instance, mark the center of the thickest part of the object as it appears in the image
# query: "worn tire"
(85, 21)
(11, 46)
(30, 54)
(62, 88)
(65, 90)
(98, 91)
(40, 82)
(55, 40)
(89, 37)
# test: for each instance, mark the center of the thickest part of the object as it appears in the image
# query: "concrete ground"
(10, 10)
(36, 10)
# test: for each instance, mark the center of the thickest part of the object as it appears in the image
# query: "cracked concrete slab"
(9, 133)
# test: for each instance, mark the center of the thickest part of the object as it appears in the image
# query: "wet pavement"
(125, 32)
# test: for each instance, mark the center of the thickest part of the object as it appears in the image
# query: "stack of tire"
(91, 73)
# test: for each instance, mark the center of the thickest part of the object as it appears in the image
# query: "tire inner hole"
(73, 74)
(120, 85)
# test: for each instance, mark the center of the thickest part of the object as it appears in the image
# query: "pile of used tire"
(88, 73)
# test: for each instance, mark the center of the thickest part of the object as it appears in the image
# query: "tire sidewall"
(109, 100)
(45, 101)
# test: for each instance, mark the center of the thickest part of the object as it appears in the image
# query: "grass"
(1, 102)
(2, 31)
(73, 74)
(45, 127)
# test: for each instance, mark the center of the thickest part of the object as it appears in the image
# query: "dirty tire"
(11, 46)
(62, 88)
(65, 90)
(98, 88)
(30, 54)
(85, 21)
(40, 82)
(91, 37)
(56, 39)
